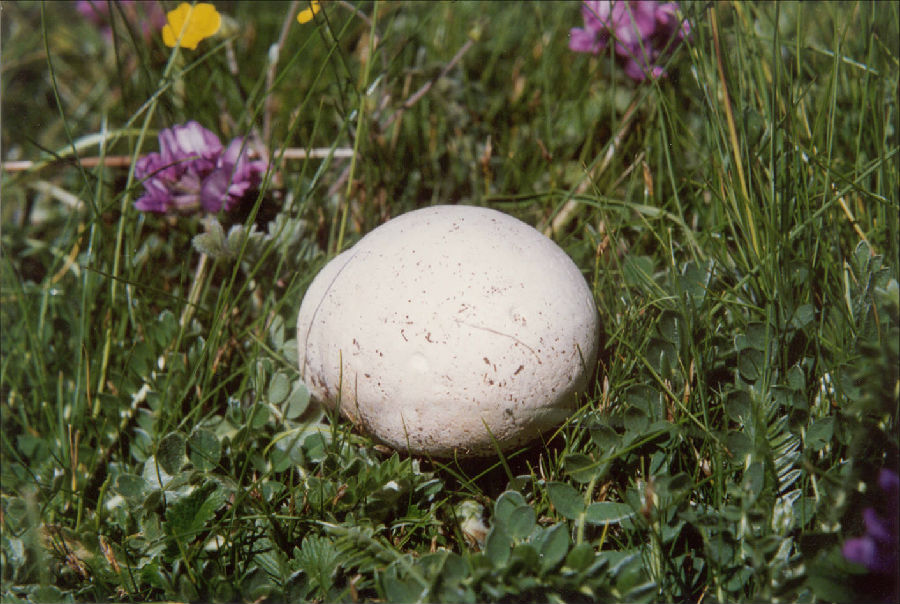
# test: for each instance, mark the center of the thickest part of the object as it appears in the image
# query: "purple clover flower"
(641, 31)
(149, 15)
(192, 171)
(877, 548)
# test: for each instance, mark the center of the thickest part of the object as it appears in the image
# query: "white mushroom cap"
(448, 326)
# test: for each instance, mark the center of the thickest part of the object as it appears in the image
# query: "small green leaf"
(205, 449)
(554, 546)
(751, 364)
(497, 546)
(662, 356)
(737, 406)
(31, 445)
(757, 336)
(819, 433)
(48, 593)
(165, 329)
(638, 270)
(580, 557)
(785, 397)
(259, 416)
(212, 242)
(454, 568)
(289, 350)
(567, 501)
(753, 480)
(524, 558)
(521, 522)
(319, 558)
(861, 256)
(644, 398)
(276, 332)
(238, 237)
(803, 316)
(669, 328)
(279, 388)
(142, 359)
(679, 483)
(401, 590)
(695, 281)
(155, 476)
(584, 469)
(16, 511)
(721, 549)
(13, 550)
(222, 591)
(608, 512)
(795, 379)
(170, 452)
(209, 244)
(131, 486)
(604, 437)
(739, 579)
(273, 562)
(804, 510)
(188, 515)
(740, 445)
(280, 459)
(298, 401)
(187, 591)
(315, 445)
(152, 575)
(506, 503)
(636, 420)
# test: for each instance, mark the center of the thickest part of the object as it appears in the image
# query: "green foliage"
(158, 443)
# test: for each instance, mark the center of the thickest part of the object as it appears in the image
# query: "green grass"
(742, 248)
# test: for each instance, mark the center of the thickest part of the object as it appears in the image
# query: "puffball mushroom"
(450, 330)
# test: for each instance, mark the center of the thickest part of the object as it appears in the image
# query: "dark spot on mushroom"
(519, 370)
(487, 361)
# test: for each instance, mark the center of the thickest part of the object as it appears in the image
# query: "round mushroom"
(450, 330)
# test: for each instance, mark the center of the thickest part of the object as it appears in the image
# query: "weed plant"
(737, 221)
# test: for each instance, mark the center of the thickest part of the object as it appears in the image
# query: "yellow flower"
(306, 15)
(190, 24)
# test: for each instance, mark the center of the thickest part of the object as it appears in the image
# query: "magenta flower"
(641, 30)
(150, 16)
(192, 171)
(877, 548)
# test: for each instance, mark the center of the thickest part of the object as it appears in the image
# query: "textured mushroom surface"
(448, 329)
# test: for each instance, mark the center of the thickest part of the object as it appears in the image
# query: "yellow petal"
(175, 21)
(306, 15)
(191, 24)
